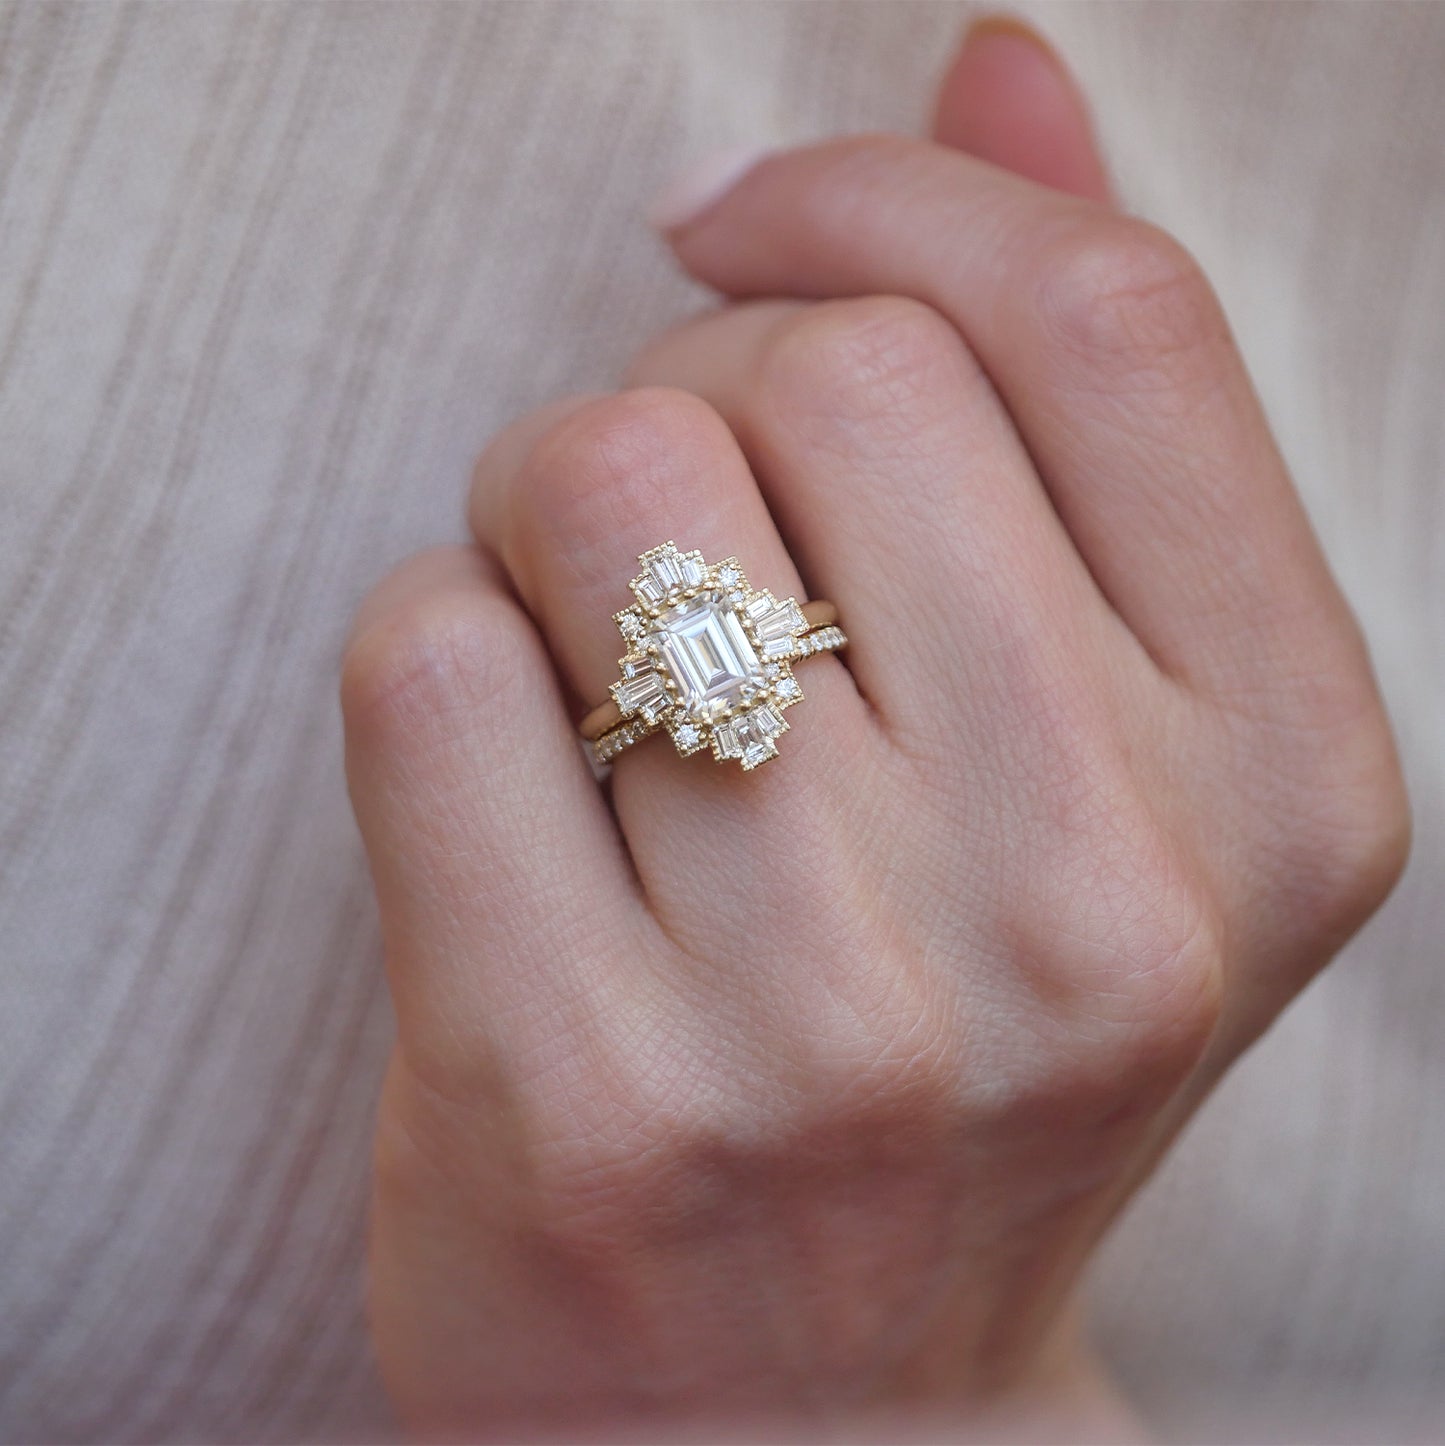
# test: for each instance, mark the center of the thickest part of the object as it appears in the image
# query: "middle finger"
(901, 486)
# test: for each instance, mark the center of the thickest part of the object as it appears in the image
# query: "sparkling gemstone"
(631, 625)
(756, 753)
(786, 688)
(728, 575)
(688, 735)
(642, 691)
(649, 591)
(766, 721)
(727, 740)
(777, 620)
(664, 571)
(750, 735)
(708, 655)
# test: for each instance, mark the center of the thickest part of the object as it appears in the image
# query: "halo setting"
(708, 656)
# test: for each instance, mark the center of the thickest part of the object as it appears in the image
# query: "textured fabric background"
(269, 275)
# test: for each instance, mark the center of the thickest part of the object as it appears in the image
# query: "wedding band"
(709, 659)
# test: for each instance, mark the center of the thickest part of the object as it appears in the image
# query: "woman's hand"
(811, 1089)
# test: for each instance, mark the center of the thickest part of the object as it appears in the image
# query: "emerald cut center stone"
(708, 656)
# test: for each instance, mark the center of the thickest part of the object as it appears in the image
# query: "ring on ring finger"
(709, 659)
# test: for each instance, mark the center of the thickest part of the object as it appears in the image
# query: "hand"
(811, 1089)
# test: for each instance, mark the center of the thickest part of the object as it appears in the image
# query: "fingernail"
(1011, 27)
(702, 186)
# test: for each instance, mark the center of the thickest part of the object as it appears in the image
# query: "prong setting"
(708, 657)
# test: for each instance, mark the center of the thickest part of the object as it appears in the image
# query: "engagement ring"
(709, 658)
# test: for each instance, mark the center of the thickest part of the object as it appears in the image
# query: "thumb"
(1009, 99)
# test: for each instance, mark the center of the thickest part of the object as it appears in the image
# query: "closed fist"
(810, 1088)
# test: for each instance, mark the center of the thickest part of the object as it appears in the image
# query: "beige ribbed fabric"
(269, 275)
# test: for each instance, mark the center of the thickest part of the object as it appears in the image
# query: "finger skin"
(900, 482)
(496, 863)
(1115, 360)
(602, 483)
(547, 510)
(1010, 100)
(607, 481)
(490, 496)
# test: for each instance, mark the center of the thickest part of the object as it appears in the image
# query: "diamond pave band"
(709, 659)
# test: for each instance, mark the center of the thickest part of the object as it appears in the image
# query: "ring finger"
(569, 500)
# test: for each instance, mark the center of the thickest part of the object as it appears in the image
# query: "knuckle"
(1124, 295)
(665, 1119)
(864, 360)
(1133, 952)
(615, 459)
(1170, 980)
(496, 468)
(1322, 796)
(1347, 834)
(431, 660)
(1374, 849)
